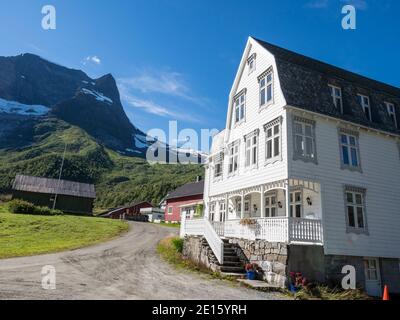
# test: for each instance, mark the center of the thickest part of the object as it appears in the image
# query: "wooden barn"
(71, 197)
(131, 212)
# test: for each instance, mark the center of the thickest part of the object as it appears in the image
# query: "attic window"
(392, 112)
(365, 104)
(336, 94)
(251, 63)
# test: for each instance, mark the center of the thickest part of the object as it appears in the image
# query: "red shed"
(128, 212)
(184, 200)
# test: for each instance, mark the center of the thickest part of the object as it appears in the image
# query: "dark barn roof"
(304, 83)
(187, 190)
(53, 186)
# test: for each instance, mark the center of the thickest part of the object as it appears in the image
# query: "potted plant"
(248, 222)
(251, 271)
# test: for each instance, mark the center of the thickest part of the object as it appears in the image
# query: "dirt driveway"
(125, 268)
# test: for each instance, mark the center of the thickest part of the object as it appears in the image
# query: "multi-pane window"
(296, 204)
(240, 107)
(273, 140)
(233, 158)
(170, 210)
(251, 63)
(355, 209)
(266, 89)
(366, 106)
(392, 112)
(304, 140)
(349, 150)
(336, 94)
(218, 165)
(212, 211)
(270, 205)
(222, 211)
(251, 149)
(371, 269)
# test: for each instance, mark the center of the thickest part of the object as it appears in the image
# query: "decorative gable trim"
(304, 120)
(264, 74)
(350, 188)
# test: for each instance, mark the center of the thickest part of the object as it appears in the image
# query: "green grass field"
(24, 235)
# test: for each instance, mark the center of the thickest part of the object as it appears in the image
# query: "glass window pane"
(308, 130)
(262, 96)
(345, 154)
(242, 111)
(269, 133)
(269, 93)
(267, 201)
(352, 141)
(273, 212)
(297, 196)
(309, 147)
(344, 138)
(269, 149)
(262, 83)
(298, 128)
(273, 200)
(358, 198)
(269, 77)
(298, 211)
(299, 145)
(349, 197)
(360, 217)
(354, 157)
(276, 147)
(276, 129)
(254, 155)
(350, 213)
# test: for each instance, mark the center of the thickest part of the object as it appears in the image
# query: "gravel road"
(124, 268)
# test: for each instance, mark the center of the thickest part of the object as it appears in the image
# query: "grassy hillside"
(23, 235)
(119, 180)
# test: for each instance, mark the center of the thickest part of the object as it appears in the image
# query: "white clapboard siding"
(380, 175)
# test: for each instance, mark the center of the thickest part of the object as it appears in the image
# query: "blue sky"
(176, 59)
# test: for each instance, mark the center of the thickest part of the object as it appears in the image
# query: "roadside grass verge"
(320, 292)
(171, 225)
(26, 235)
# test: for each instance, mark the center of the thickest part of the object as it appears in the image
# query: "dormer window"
(365, 104)
(240, 106)
(392, 112)
(251, 63)
(336, 94)
(266, 88)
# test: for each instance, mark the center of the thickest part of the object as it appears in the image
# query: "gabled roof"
(53, 186)
(187, 190)
(304, 82)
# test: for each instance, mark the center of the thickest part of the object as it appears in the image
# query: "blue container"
(251, 275)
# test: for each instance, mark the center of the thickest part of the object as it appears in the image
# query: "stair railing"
(214, 241)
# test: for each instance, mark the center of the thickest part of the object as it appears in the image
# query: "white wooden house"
(311, 153)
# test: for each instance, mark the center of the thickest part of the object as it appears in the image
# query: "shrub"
(178, 244)
(24, 207)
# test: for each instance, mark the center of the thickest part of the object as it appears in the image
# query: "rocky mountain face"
(32, 89)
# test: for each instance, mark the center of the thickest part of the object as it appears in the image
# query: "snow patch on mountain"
(22, 109)
(98, 95)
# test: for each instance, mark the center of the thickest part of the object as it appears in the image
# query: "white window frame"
(269, 205)
(266, 82)
(212, 211)
(354, 192)
(304, 138)
(233, 150)
(271, 136)
(219, 161)
(363, 99)
(222, 211)
(170, 211)
(391, 110)
(252, 63)
(337, 96)
(350, 147)
(239, 103)
(293, 203)
(251, 149)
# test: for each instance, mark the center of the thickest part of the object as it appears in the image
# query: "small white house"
(311, 156)
(155, 215)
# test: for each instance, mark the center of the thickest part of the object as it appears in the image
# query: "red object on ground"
(386, 293)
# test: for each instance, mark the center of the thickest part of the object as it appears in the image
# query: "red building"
(184, 200)
(131, 212)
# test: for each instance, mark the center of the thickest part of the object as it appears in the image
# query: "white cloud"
(93, 59)
(358, 4)
(152, 107)
(163, 82)
(317, 4)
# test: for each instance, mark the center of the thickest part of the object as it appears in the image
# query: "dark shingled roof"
(187, 190)
(53, 186)
(304, 83)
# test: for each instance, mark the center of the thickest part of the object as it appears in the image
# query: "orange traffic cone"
(386, 293)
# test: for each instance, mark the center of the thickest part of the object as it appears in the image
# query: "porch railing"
(280, 229)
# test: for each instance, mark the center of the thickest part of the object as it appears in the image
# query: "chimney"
(199, 178)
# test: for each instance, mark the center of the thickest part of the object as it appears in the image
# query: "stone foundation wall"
(271, 257)
(195, 250)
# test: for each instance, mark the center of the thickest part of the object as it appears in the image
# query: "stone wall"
(198, 251)
(271, 257)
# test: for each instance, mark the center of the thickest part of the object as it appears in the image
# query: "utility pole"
(59, 177)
